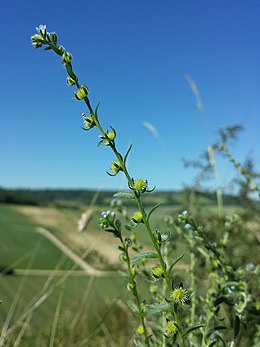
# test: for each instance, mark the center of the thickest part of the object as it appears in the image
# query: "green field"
(23, 248)
(90, 309)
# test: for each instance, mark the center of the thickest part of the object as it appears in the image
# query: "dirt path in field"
(88, 269)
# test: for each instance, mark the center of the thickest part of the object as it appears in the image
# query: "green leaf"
(176, 261)
(194, 327)
(127, 153)
(96, 110)
(86, 129)
(120, 248)
(143, 255)
(219, 300)
(123, 274)
(155, 308)
(236, 326)
(153, 209)
(118, 224)
(133, 306)
(124, 195)
(103, 142)
(216, 328)
(113, 129)
(212, 343)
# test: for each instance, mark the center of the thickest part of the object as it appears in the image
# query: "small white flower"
(42, 30)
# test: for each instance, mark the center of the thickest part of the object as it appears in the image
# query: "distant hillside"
(73, 198)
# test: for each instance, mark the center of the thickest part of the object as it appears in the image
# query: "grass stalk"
(56, 317)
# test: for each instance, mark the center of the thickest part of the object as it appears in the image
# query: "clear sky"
(134, 56)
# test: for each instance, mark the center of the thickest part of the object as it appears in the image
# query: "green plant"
(172, 312)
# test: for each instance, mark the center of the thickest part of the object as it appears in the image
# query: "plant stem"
(138, 201)
(135, 292)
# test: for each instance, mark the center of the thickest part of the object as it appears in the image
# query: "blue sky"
(134, 56)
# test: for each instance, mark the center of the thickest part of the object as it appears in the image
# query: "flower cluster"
(170, 328)
(140, 186)
(179, 295)
(107, 219)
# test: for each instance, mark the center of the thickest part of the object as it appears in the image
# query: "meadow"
(88, 304)
(30, 298)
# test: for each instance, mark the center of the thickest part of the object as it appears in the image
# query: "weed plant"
(213, 303)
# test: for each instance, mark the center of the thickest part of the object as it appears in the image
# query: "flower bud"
(153, 288)
(70, 81)
(138, 217)
(81, 93)
(42, 31)
(36, 41)
(170, 328)
(140, 330)
(157, 272)
(89, 122)
(110, 136)
(179, 295)
(66, 58)
(140, 185)
(53, 38)
(116, 167)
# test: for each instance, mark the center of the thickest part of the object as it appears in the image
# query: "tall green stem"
(135, 292)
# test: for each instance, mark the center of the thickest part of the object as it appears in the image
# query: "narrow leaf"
(153, 209)
(143, 255)
(96, 110)
(123, 274)
(216, 328)
(189, 330)
(127, 153)
(124, 195)
(176, 261)
(213, 343)
(103, 142)
(120, 248)
(155, 308)
(219, 300)
(236, 326)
